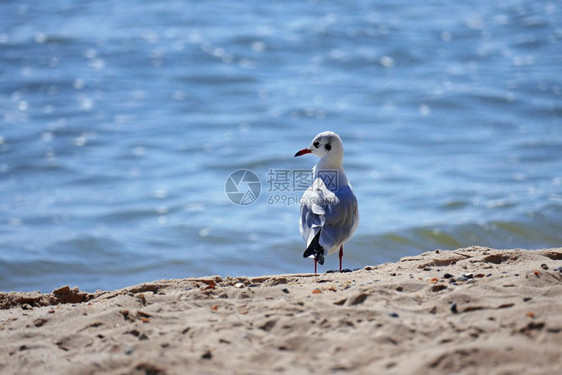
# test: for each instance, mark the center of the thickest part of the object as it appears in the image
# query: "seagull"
(329, 214)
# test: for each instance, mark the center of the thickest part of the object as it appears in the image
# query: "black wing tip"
(315, 249)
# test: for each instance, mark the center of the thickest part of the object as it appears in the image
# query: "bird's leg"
(341, 256)
(315, 265)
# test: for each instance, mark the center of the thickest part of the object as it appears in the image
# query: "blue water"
(121, 121)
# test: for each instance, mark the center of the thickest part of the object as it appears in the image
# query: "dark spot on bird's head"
(316, 144)
(328, 147)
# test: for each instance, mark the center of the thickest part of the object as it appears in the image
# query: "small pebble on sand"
(207, 355)
(454, 308)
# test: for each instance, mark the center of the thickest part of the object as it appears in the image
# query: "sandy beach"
(469, 311)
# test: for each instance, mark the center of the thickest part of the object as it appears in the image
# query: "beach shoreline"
(471, 310)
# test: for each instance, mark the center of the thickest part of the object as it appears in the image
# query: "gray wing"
(334, 212)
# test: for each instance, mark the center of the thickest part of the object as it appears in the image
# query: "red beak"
(302, 152)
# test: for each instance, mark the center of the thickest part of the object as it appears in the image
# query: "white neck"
(332, 163)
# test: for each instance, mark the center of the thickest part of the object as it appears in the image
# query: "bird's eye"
(316, 144)
(328, 147)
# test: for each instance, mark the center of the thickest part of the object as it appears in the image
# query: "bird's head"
(325, 145)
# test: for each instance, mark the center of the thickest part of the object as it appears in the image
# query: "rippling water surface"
(122, 120)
